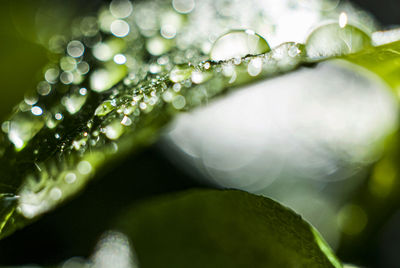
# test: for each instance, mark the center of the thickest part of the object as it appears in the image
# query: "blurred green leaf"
(211, 228)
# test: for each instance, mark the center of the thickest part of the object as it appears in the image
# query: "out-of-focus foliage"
(207, 228)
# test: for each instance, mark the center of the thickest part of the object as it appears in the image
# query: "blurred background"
(321, 140)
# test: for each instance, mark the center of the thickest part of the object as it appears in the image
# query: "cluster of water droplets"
(132, 68)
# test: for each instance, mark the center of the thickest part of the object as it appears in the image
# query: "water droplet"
(83, 91)
(126, 121)
(75, 49)
(36, 110)
(255, 67)
(119, 28)
(74, 103)
(84, 167)
(105, 108)
(51, 75)
(333, 40)
(99, 80)
(199, 77)
(58, 116)
(120, 8)
(183, 6)
(158, 45)
(114, 130)
(102, 51)
(5, 127)
(43, 88)
(238, 43)
(180, 73)
(78, 144)
(70, 177)
(55, 193)
(179, 102)
(120, 59)
(23, 127)
(66, 78)
(83, 68)
(68, 64)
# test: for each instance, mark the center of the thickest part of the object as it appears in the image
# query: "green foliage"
(53, 145)
(210, 228)
(111, 126)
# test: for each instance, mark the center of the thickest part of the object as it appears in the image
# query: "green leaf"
(383, 61)
(89, 114)
(45, 161)
(211, 228)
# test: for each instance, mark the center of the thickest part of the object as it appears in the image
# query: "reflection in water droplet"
(180, 73)
(238, 43)
(333, 40)
(105, 108)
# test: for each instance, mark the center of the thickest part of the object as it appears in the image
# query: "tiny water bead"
(336, 39)
(238, 43)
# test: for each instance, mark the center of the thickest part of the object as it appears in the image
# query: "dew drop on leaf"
(105, 108)
(74, 103)
(238, 43)
(180, 73)
(114, 130)
(336, 39)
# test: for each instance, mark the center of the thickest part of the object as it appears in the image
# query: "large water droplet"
(336, 39)
(238, 43)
